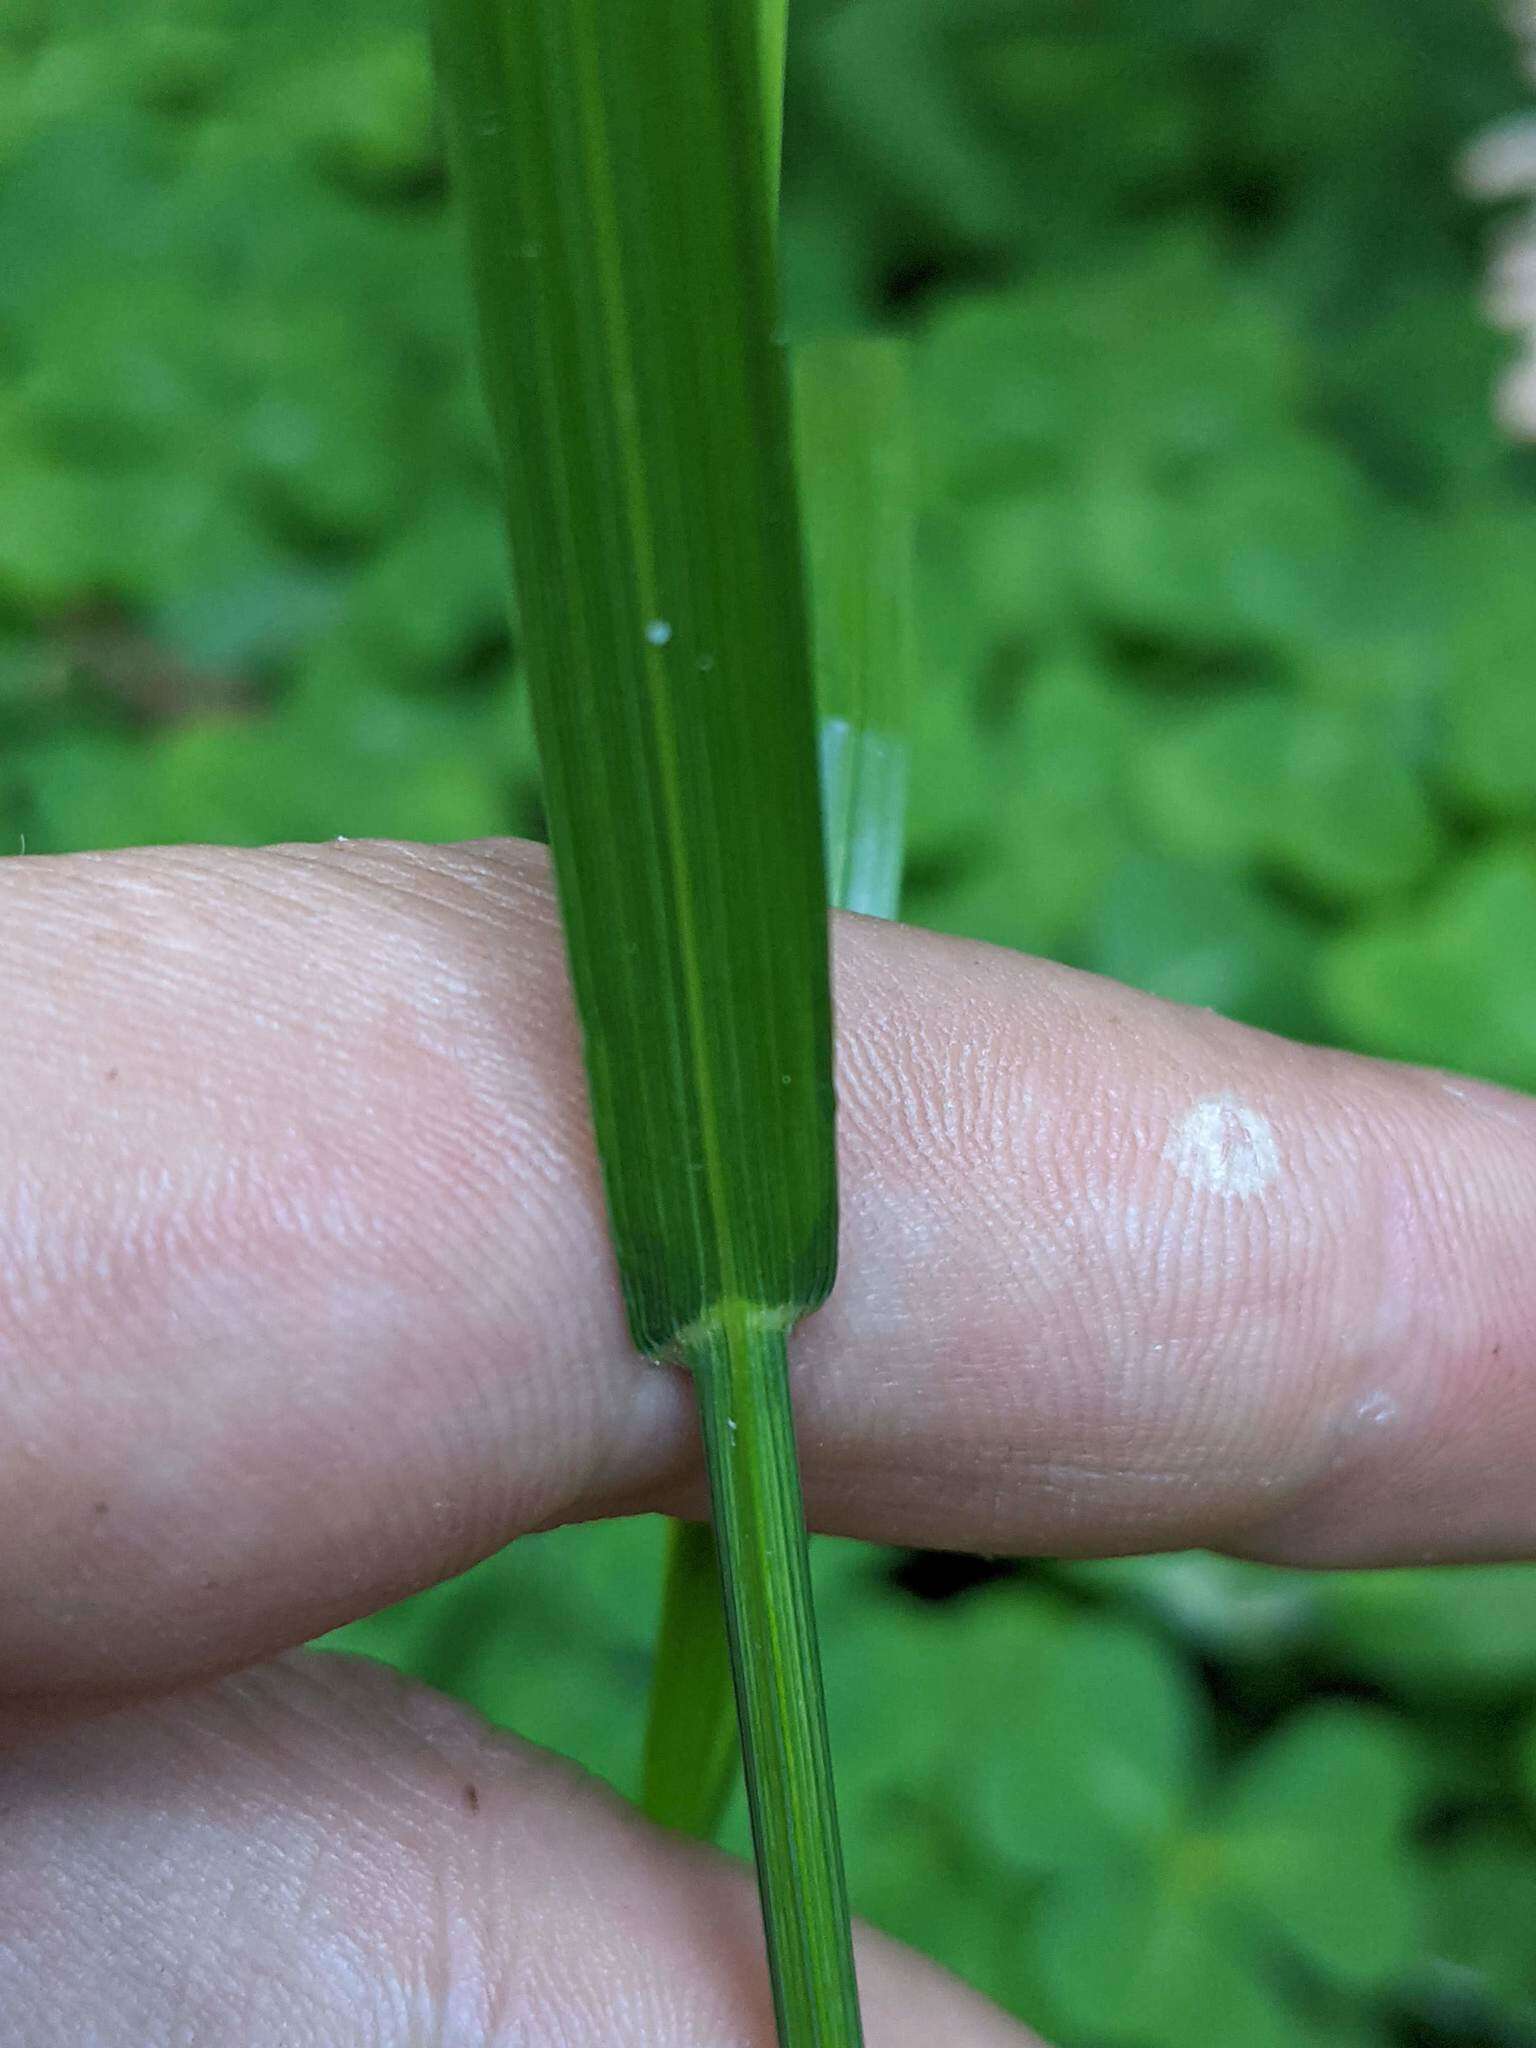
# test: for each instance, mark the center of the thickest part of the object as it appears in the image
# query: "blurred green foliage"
(1230, 597)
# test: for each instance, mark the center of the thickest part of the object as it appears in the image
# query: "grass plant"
(616, 173)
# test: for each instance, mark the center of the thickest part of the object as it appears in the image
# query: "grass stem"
(740, 1367)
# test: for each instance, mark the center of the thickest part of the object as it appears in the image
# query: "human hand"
(305, 1301)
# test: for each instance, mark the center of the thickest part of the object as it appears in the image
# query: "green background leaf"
(1313, 1838)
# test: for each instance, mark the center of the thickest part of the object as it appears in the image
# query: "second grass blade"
(611, 162)
(856, 453)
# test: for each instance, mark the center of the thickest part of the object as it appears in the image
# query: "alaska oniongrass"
(613, 165)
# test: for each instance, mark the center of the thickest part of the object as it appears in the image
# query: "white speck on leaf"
(658, 632)
(706, 663)
(1225, 1148)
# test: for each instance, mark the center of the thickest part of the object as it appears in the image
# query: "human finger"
(321, 1855)
(305, 1297)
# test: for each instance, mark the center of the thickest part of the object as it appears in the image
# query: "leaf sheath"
(741, 1371)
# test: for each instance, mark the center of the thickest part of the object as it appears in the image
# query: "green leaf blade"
(691, 1745)
(641, 410)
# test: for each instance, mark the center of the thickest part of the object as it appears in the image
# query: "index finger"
(305, 1298)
